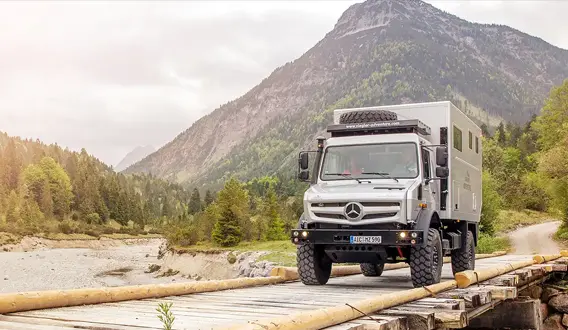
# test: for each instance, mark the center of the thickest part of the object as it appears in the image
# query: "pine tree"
(13, 212)
(275, 224)
(208, 198)
(500, 134)
(227, 231)
(195, 202)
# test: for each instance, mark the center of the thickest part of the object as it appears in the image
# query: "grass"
(490, 244)
(509, 220)
(209, 247)
(8, 238)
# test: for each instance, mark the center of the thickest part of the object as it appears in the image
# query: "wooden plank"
(499, 292)
(503, 280)
(416, 320)
(512, 314)
(471, 299)
(555, 267)
(381, 322)
(452, 304)
(452, 319)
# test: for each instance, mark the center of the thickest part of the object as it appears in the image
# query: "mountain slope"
(379, 52)
(134, 156)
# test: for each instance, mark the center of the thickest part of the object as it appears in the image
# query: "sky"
(110, 76)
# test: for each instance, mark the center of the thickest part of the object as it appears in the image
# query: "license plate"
(365, 240)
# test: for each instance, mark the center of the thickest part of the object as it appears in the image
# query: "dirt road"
(535, 239)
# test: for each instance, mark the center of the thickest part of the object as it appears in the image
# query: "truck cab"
(382, 189)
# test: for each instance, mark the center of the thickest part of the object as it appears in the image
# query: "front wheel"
(464, 259)
(372, 270)
(426, 261)
(314, 266)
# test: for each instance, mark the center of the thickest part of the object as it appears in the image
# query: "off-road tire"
(314, 266)
(357, 117)
(426, 261)
(372, 270)
(464, 260)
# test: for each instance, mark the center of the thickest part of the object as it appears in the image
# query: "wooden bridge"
(471, 299)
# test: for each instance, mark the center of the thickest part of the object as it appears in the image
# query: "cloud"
(113, 75)
(110, 76)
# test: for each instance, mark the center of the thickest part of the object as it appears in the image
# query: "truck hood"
(357, 191)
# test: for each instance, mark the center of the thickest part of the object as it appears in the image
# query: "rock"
(535, 292)
(553, 322)
(565, 320)
(147, 255)
(544, 311)
(548, 293)
(559, 302)
(6, 278)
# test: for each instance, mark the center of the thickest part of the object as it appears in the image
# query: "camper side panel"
(464, 155)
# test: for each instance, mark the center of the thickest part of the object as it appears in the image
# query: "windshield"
(370, 161)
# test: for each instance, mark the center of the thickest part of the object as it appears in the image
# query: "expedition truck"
(392, 184)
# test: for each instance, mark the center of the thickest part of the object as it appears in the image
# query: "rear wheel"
(314, 266)
(464, 259)
(372, 270)
(426, 261)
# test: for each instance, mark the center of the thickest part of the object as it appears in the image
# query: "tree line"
(525, 166)
(44, 188)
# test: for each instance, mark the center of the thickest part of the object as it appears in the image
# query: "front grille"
(330, 216)
(379, 215)
(365, 204)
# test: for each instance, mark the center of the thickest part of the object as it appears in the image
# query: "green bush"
(489, 244)
(491, 204)
(93, 218)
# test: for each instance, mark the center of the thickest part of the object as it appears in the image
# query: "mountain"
(379, 52)
(134, 156)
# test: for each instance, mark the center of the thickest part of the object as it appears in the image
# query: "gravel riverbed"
(50, 269)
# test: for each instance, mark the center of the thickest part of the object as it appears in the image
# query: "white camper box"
(464, 152)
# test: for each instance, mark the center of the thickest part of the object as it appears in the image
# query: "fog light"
(413, 241)
(414, 235)
(296, 233)
(296, 240)
(304, 234)
(402, 235)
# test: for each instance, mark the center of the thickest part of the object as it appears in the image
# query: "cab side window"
(426, 163)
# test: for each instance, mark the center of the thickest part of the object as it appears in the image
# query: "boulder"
(559, 302)
(543, 311)
(548, 293)
(553, 322)
(535, 292)
(565, 320)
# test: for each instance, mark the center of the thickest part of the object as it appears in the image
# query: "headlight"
(414, 235)
(304, 234)
(296, 234)
(402, 235)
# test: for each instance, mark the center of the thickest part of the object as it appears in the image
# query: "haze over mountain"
(379, 52)
(134, 156)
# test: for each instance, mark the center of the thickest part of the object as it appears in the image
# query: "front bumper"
(349, 237)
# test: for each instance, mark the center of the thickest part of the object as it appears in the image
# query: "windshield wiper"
(385, 175)
(346, 176)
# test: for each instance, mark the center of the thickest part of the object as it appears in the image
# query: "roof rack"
(380, 127)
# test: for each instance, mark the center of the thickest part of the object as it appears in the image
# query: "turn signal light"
(423, 205)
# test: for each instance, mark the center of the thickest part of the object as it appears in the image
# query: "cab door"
(430, 188)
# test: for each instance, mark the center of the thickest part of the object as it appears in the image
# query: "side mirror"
(441, 156)
(442, 172)
(304, 161)
(304, 175)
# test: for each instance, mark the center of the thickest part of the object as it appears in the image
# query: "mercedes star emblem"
(353, 211)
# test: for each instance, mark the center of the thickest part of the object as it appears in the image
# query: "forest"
(47, 189)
